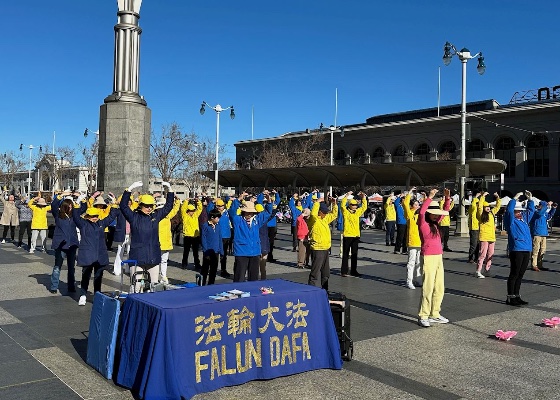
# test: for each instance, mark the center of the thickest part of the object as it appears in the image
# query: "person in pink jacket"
(432, 252)
(302, 234)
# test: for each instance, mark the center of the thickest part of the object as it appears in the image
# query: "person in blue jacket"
(144, 228)
(246, 239)
(295, 209)
(272, 226)
(65, 240)
(539, 231)
(212, 247)
(263, 236)
(516, 222)
(400, 242)
(92, 253)
(225, 230)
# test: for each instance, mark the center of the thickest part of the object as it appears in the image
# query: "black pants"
(271, 237)
(97, 277)
(294, 237)
(244, 264)
(518, 262)
(400, 243)
(24, 226)
(390, 232)
(209, 267)
(188, 242)
(12, 232)
(70, 262)
(444, 233)
(474, 245)
(349, 244)
(320, 269)
(109, 237)
(226, 243)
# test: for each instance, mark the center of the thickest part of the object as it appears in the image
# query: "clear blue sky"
(285, 58)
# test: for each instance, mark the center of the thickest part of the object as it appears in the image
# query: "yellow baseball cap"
(93, 212)
(147, 199)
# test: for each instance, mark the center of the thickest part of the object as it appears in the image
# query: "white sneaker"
(410, 285)
(164, 279)
(3, 241)
(479, 275)
(31, 251)
(424, 323)
(439, 320)
(82, 301)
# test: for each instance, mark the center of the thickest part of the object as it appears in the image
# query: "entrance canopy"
(406, 174)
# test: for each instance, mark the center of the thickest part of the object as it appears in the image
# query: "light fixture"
(86, 132)
(202, 109)
(232, 113)
(481, 67)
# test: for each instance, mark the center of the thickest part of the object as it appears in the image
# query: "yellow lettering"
(198, 366)
(295, 346)
(240, 367)
(253, 354)
(274, 351)
(225, 369)
(286, 351)
(305, 345)
(215, 364)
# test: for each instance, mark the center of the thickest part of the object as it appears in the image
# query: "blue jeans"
(70, 261)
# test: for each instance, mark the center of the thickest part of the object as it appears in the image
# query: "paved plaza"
(43, 336)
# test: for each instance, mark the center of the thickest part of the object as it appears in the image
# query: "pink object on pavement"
(507, 335)
(552, 322)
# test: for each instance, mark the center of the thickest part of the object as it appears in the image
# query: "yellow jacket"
(446, 221)
(411, 224)
(352, 219)
(190, 223)
(319, 230)
(390, 213)
(473, 219)
(164, 230)
(487, 230)
(39, 220)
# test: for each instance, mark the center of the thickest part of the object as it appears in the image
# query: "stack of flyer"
(230, 295)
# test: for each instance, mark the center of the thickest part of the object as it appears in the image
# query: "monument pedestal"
(124, 146)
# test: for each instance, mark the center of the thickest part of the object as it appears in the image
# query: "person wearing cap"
(487, 232)
(225, 230)
(263, 237)
(390, 220)
(400, 241)
(144, 228)
(39, 224)
(92, 251)
(433, 288)
(246, 237)
(65, 241)
(320, 219)
(295, 209)
(444, 225)
(165, 235)
(474, 245)
(9, 217)
(520, 245)
(212, 247)
(191, 231)
(351, 231)
(414, 244)
(539, 231)
(302, 231)
(25, 217)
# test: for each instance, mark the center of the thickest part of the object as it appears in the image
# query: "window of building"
(446, 151)
(399, 154)
(339, 157)
(505, 150)
(537, 156)
(475, 149)
(359, 156)
(422, 152)
(378, 155)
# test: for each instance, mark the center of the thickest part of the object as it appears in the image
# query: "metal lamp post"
(462, 169)
(218, 108)
(332, 130)
(31, 147)
(96, 148)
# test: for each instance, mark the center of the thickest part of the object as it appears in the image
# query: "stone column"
(125, 119)
(520, 157)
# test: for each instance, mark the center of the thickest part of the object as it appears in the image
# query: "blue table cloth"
(178, 343)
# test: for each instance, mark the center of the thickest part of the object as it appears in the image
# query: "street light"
(462, 170)
(30, 161)
(332, 129)
(218, 108)
(93, 154)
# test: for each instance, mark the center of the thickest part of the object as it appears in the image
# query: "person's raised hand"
(433, 192)
(135, 185)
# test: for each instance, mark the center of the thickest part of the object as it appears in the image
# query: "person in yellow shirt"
(487, 232)
(320, 241)
(39, 224)
(414, 244)
(390, 220)
(165, 236)
(444, 226)
(474, 245)
(191, 231)
(351, 231)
